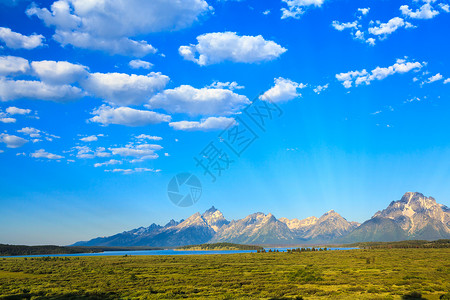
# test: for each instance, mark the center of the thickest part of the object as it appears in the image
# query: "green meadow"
(350, 274)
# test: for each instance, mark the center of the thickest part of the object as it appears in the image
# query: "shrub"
(305, 275)
(412, 295)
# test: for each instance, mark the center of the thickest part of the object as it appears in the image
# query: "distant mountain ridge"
(414, 216)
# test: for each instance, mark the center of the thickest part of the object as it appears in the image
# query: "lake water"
(161, 252)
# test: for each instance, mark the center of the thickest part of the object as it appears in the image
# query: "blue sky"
(101, 104)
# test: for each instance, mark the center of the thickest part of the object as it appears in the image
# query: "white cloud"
(424, 12)
(58, 72)
(21, 89)
(320, 88)
(211, 123)
(36, 133)
(226, 85)
(141, 152)
(204, 101)
(87, 153)
(135, 170)
(283, 90)
(391, 26)
(16, 40)
(434, 78)
(109, 25)
(32, 132)
(414, 99)
(371, 41)
(127, 116)
(447, 81)
(359, 77)
(12, 110)
(341, 26)
(364, 11)
(217, 47)
(13, 65)
(122, 46)
(12, 141)
(108, 163)
(124, 89)
(44, 154)
(149, 137)
(7, 120)
(266, 12)
(444, 7)
(140, 64)
(296, 8)
(91, 138)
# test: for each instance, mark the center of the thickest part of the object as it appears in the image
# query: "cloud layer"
(217, 47)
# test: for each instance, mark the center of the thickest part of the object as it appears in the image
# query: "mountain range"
(414, 216)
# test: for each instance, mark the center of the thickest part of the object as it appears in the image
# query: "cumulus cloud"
(149, 137)
(12, 141)
(12, 110)
(36, 133)
(135, 170)
(124, 89)
(58, 72)
(444, 7)
(360, 77)
(205, 101)
(217, 47)
(91, 138)
(341, 26)
(226, 85)
(384, 29)
(296, 8)
(434, 78)
(127, 116)
(85, 152)
(16, 40)
(10, 65)
(426, 11)
(30, 89)
(108, 163)
(122, 46)
(140, 152)
(209, 124)
(283, 90)
(32, 132)
(44, 154)
(364, 11)
(447, 81)
(320, 88)
(140, 64)
(7, 119)
(110, 25)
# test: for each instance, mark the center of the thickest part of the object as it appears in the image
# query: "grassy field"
(352, 274)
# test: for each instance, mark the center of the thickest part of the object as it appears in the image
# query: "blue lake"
(162, 252)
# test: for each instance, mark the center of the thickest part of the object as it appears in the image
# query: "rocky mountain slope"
(412, 217)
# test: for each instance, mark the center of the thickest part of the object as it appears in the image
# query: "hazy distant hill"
(413, 217)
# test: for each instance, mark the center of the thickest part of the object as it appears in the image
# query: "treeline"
(14, 250)
(403, 244)
(220, 246)
(295, 250)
